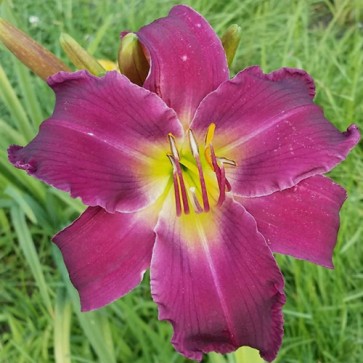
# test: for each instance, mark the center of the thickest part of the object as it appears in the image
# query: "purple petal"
(270, 126)
(215, 280)
(187, 60)
(106, 254)
(302, 221)
(103, 142)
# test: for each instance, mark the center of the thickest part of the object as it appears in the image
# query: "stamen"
(182, 198)
(208, 141)
(210, 134)
(197, 207)
(228, 186)
(175, 157)
(221, 176)
(176, 186)
(195, 152)
(226, 161)
(193, 144)
(173, 148)
(215, 165)
(222, 187)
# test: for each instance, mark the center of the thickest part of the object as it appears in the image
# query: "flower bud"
(132, 60)
(79, 56)
(38, 59)
(230, 41)
(108, 65)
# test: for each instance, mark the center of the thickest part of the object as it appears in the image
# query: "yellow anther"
(208, 141)
(210, 134)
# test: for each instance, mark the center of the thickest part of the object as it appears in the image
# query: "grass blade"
(14, 106)
(62, 326)
(27, 246)
(94, 324)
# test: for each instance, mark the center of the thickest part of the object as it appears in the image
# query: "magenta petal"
(100, 142)
(216, 281)
(270, 126)
(187, 60)
(106, 254)
(302, 221)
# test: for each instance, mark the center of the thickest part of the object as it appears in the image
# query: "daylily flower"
(197, 177)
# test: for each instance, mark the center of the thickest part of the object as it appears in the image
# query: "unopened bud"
(38, 59)
(108, 65)
(79, 56)
(230, 41)
(132, 60)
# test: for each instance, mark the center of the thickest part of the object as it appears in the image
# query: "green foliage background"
(39, 317)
